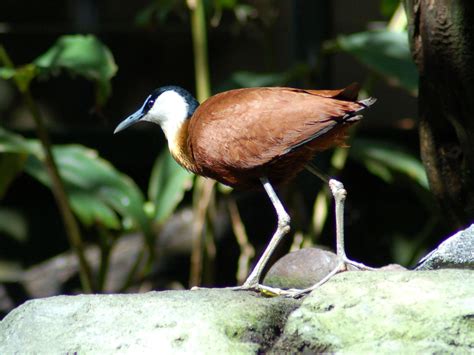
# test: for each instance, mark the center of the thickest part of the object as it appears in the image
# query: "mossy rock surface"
(386, 312)
(355, 312)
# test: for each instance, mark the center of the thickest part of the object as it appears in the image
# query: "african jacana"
(247, 137)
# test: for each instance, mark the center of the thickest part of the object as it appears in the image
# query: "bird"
(262, 136)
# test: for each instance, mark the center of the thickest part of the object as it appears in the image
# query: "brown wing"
(247, 128)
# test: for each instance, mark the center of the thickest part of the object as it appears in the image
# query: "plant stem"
(57, 185)
(201, 62)
(106, 241)
(59, 192)
(204, 187)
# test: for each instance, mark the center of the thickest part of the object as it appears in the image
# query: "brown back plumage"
(240, 135)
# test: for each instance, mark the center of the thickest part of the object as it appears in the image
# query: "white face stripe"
(170, 110)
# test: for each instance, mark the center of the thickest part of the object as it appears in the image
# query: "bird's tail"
(367, 102)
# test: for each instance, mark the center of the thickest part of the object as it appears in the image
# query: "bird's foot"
(359, 266)
(343, 265)
(256, 287)
(263, 289)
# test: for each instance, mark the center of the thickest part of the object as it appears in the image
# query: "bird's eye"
(149, 104)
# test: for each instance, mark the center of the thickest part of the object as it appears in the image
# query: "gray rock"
(386, 312)
(455, 252)
(301, 268)
(355, 312)
(204, 321)
(305, 267)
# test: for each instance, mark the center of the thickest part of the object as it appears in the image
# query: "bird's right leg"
(253, 281)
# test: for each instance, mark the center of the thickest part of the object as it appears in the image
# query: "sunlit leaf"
(13, 143)
(81, 55)
(95, 188)
(385, 52)
(382, 158)
(22, 75)
(379, 169)
(93, 211)
(84, 172)
(168, 183)
(7, 73)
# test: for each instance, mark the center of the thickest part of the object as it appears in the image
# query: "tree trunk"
(441, 36)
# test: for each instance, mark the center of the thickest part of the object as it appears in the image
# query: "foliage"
(167, 185)
(80, 55)
(385, 52)
(77, 54)
(384, 159)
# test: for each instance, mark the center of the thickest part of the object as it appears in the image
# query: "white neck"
(169, 111)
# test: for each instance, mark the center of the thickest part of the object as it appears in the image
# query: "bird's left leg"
(339, 193)
(253, 281)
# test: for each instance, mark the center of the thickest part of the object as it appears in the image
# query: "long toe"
(344, 265)
(265, 290)
(357, 265)
(341, 266)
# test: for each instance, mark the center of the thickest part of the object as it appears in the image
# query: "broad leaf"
(383, 159)
(84, 172)
(168, 183)
(97, 191)
(92, 210)
(81, 55)
(385, 52)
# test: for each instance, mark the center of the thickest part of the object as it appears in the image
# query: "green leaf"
(251, 79)
(158, 10)
(241, 79)
(226, 4)
(168, 183)
(84, 172)
(22, 75)
(10, 165)
(81, 55)
(7, 73)
(95, 188)
(13, 143)
(388, 7)
(382, 159)
(93, 211)
(385, 52)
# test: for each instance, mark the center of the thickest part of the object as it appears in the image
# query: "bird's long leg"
(253, 281)
(339, 193)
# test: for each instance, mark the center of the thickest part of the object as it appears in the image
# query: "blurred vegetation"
(108, 204)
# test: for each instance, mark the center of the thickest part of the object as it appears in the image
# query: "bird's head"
(168, 106)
